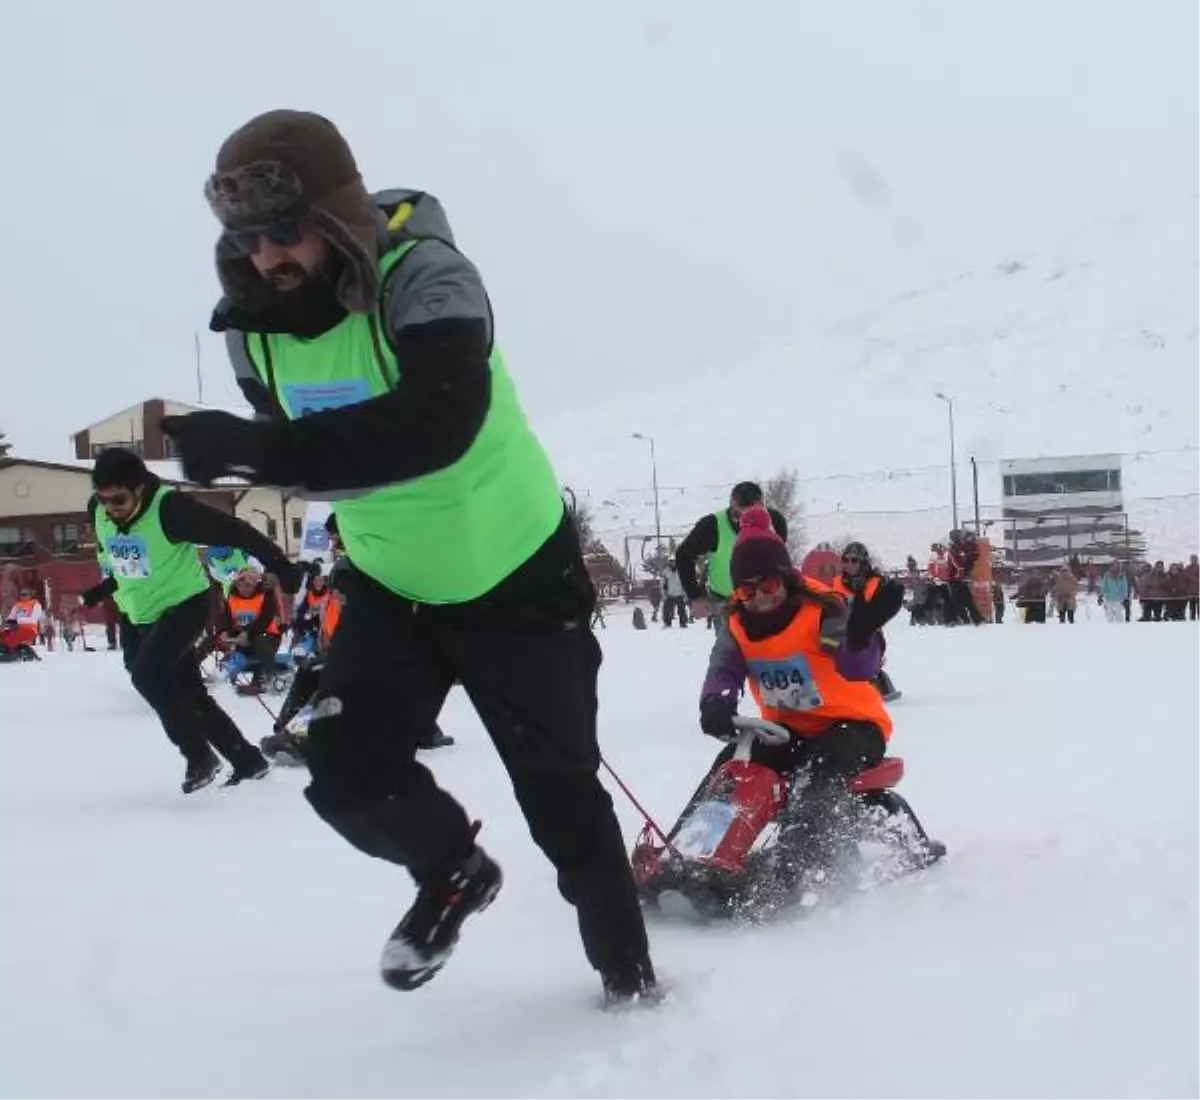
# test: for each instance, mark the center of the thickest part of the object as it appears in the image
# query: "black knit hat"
(119, 468)
(294, 164)
(746, 494)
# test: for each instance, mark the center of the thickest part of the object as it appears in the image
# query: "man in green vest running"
(713, 537)
(364, 338)
(147, 539)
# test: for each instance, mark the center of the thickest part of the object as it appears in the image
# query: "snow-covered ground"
(226, 943)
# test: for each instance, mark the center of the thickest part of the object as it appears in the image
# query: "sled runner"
(747, 846)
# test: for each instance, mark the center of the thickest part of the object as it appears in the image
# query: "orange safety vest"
(847, 593)
(245, 609)
(796, 683)
(329, 619)
(25, 612)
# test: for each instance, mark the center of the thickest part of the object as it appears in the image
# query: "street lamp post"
(654, 477)
(953, 467)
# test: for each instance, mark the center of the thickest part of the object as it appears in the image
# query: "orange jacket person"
(29, 617)
(881, 600)
(807, 659)
(252, 622)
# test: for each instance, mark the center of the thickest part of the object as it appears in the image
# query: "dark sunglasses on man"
(247, 241)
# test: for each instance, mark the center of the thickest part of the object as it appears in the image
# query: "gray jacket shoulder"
(239, 358)
(434, 282)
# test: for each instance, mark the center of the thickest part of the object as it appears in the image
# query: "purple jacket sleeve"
(726, 668)
(860, 665)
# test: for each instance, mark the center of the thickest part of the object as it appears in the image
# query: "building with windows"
(137, 428)
(43, 509)
(276, 514)
(43, 504)
(1062, 508)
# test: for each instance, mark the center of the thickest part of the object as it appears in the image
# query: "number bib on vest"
(128, 557)
(786, 684)
(312, 397)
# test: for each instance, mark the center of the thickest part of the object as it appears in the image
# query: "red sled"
(718, 855)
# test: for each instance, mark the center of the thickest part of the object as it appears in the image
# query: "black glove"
(214, 444)
(95, 595)
(717, 714)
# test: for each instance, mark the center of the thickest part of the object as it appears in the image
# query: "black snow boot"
(201, 771)
(251, 765)
(631, 985)
(424, 939)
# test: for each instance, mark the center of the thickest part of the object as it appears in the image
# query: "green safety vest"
(152, 574)
(446, 537)
(720, 582)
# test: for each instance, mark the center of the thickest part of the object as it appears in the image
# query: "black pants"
(304, 687)
(1193, 607)
(961, 604)
(1152, 611)
(998, 612)
(1034, 612)
(934, 610)
(1127, 603)
(673, 605)
(161, 660)
(1066, 613)
(263, 648)
(303, 690)
(127, 634)
(527, 659)
(1175, 610)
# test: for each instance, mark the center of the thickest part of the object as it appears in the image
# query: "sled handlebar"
(759, 729)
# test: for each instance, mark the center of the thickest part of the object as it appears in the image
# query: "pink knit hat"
(758, 552)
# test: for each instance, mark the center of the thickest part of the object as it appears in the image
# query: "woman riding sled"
(808, 660)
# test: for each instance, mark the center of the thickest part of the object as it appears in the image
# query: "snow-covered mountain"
(1088, 345)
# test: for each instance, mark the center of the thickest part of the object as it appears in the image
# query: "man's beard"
(311, 307)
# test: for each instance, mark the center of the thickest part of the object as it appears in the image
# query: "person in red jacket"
(964, 552)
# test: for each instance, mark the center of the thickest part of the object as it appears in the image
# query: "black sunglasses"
(285, 232)
(851, 561)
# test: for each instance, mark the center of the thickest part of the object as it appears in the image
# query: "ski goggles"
(284, 232)
(768, 586)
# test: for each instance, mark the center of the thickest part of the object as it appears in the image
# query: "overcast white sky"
(645, 186)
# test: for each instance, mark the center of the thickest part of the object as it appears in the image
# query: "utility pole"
(975, 491)
(654, 478)
(953, 466)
